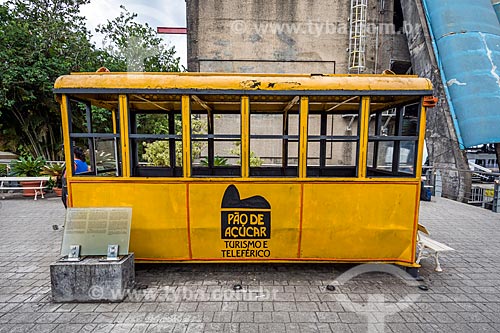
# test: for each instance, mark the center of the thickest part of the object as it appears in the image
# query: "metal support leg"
(414, 272)
(420, 254)
(438, 265)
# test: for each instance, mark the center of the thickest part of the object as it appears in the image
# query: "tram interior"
(155, 130)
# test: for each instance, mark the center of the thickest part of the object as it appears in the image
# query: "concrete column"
(441, 139)
(496, 197)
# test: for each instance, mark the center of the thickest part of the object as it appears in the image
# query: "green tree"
(39, 41)
(130, 46)
(43, 39)
(157, 153)
(134, 47)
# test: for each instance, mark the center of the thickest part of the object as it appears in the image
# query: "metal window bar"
(136, 137)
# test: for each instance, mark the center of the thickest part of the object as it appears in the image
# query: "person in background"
(80, 164)
(80, 167)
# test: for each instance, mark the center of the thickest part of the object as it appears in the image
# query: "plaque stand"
(92, 279)
(112, 253)
(73, 255)
(88, 272)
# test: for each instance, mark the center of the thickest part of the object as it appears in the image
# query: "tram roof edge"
(241, 82)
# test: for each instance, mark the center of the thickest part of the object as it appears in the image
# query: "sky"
(164, 13)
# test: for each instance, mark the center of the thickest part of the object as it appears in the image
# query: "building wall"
(274, 36)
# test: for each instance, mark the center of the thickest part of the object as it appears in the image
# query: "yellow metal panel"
(159, 228)
(66, 140)
(239, 82)
(356, 221)
(186, 135)
(247, 225)
(421, 142)
(304, 114)
(113, 115)
(124, 135)
(363, 136)
(340, 221)
(245, 136)
(418, 172)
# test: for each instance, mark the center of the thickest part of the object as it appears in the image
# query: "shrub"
(28, 166)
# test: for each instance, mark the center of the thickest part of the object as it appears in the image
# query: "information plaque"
(96, 228)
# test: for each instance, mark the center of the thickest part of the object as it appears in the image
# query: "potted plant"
(28, 167)
(55, 171)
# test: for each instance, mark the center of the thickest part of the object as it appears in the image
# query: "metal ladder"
(357, 36)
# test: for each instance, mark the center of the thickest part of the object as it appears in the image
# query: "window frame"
(154, 171)
(285, 170)
(91, 139)
(323, 170)
(211, 138)
(375, 172)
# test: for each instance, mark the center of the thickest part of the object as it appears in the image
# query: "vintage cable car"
(252, 167)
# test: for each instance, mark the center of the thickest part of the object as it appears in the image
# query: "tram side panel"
(262, 222)
(244, 221)
(159, 218)
(359, 221)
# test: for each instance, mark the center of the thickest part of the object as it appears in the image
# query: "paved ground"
(274, 298)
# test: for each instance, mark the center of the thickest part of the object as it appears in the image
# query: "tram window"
(333, 136)
(216, 135)
(155, 136)
(393, 136)
(95, 129)
(274, 136)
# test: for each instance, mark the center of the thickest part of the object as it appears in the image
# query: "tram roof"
(237, 83)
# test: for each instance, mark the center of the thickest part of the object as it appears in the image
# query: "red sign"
(171, 31)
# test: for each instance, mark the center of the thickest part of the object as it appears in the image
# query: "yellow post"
(364, 119)
(123, 105)
(418, 174)
(66, 141)
(304, 113)
(245, 136)
(113, 119)
(186, 135)
(421, 138)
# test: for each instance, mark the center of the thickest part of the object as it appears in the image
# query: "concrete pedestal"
(92, 280)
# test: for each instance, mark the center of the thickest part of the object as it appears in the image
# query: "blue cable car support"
(466, 41)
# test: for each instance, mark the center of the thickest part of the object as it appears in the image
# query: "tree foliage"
(134, 47)
(157, 153)
(41, 40)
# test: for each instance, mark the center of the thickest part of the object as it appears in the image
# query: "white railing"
(482, 193)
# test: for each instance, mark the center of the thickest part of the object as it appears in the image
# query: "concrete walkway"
(275, 298)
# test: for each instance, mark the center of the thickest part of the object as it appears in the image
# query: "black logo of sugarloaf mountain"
(248, 218)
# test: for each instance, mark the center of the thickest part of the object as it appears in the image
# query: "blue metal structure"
(496, 6)
(467, 46)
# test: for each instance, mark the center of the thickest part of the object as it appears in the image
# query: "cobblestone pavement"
(274, 297)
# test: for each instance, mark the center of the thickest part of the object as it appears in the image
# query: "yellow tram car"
(252, 167)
